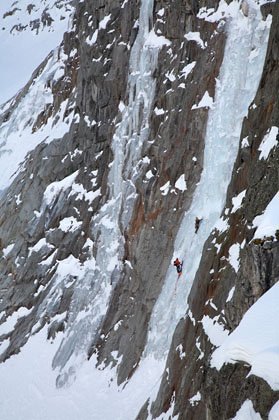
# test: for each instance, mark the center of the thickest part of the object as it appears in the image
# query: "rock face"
(223, 392)
(153, 222)
(94, 97)
(88, 223)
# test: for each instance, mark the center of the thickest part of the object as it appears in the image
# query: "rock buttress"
(220, 394)
(93, 83)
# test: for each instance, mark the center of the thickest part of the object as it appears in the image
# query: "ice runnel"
(243, 63)
(93, 286)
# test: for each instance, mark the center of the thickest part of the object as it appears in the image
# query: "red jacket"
(176, 262)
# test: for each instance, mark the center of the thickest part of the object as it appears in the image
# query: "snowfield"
(28, 379)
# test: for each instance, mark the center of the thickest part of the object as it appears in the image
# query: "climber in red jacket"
(178, 266)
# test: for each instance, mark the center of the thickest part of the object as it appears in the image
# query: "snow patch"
(159, 111)
(198, 345)
(69, 224)
(69, 266)
(268, 222)
(221, 225)
(103, 23)
(215, 331)
(39, 245)
(234, 256)
(55, 188)
(195, 36)
(7, 250)
(11, 321)
(188, 69)
(247, 412)
(149, 174)
(191, 316)
(195, 399)
(269, 142)
(245, 142)
(237, 201)
(156, 41)
(165, 188)
(230, 295)
(181, 183)
(91, 41)
(171, 76)
(182, 353)
(205, 102)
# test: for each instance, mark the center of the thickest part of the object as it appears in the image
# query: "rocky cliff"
(221, 393)
(150, 132)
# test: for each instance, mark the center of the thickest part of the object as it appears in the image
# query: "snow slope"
(18, 136)
(26, 39)
(255, 340)
(30, 34)
(28, 379)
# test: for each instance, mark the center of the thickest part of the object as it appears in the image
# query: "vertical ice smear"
(92, 288)
(243, 63)
(134, 127)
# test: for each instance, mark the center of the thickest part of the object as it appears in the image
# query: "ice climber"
(197, 224)
(178, 264)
